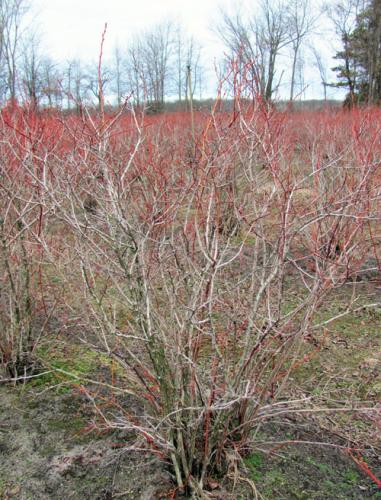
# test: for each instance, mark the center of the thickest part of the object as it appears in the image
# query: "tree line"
(269, 44)
(358, 24)
(150, 69)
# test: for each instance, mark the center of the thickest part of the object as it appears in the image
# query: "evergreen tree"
(360, 57)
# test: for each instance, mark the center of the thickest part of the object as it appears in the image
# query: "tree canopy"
(359, 60)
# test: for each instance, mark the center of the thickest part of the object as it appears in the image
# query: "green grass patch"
(68, 365)
(253, 462)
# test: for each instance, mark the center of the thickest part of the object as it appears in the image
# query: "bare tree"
(32, 71)
(94, 89)
(67, 83)
(117, 74)
(187, 54)
(322, 68)
(301, 23)
(39, 75)
(257, 42)
(11, 15)
(273, 37)
(372, 59)
(51, 82)
(135, 70)
(193, 61)
(74, 83)
(156, 48)
(179, 49)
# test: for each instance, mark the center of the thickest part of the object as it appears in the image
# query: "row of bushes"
(176, 255)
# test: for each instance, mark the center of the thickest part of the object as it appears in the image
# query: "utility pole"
(189, 77)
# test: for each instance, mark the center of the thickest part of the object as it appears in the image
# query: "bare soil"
(46, 453)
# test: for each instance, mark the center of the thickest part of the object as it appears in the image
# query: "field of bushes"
(190, 304)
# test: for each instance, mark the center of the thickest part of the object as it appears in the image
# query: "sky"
(73, 29)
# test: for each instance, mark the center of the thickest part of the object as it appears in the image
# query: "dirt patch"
(45, 453)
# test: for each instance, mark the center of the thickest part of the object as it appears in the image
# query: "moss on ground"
(305, 472)
(66, 365)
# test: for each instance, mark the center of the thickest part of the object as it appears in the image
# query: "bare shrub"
(208, 317)
(27, 300)
(202, 279)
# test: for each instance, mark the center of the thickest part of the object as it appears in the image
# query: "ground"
(48, 451)
(308, 471)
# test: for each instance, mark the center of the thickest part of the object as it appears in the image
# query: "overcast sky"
(73, 28)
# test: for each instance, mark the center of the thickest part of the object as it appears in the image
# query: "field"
(190, 304)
